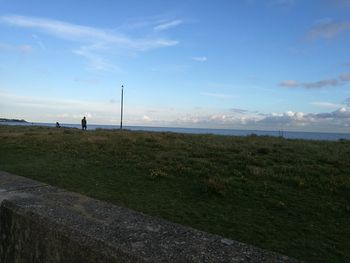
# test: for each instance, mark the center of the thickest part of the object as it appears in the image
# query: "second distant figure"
(83, 124)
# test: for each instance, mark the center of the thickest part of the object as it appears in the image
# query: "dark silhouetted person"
(83, 124)
(58, 125)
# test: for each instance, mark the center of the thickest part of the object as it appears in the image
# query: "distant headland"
(11, 120)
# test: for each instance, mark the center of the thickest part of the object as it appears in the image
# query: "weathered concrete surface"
(41, 223)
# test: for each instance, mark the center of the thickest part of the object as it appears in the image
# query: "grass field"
(289, 196)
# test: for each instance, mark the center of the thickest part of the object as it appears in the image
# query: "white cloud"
(71, 111)
(342, 113)
(338, 120)
(168, 25)
(61, 29)
(95, 39)
(338, 117)
(200, 59)
(146, 118)
(85, 34)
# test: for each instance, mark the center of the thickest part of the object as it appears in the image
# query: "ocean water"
(227, 132)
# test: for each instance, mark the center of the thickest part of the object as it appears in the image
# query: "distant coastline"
(304, 135)
(12, 120)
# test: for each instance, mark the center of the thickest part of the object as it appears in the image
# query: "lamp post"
(121, 109)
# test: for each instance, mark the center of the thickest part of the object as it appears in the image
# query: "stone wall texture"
(41, 223)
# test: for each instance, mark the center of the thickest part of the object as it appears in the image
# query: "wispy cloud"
(171, 68)
(3, 46)
(347, 102)
(94, 39)
(86, 34)
(327, 29)
(63, 110)
(38, 41)
(339, 3)
(334, 82)
(96, 62)
(168, 25)
(290, 83)
(274, 3)
(199, 59)
(56, 104)
(345, 77)
(310, 85)
(61, 29)
(25, 49)
(284, 3)
(217, 95)
(321, 84)
(88, 81)
(239, 111)
(327, 105)
(22, 49)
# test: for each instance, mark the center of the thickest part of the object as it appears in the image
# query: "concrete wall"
(41, 223)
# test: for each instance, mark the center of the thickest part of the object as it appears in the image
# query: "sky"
(243, 64)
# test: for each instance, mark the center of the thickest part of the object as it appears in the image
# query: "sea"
(228, 132)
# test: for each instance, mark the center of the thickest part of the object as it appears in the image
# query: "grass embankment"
(290, 196)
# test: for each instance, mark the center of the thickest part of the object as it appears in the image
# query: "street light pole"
(121, 109)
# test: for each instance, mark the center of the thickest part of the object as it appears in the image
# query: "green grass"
(289, 196)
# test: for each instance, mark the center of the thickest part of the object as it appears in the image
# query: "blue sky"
(245, 64)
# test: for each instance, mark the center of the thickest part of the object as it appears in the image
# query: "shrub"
(157, 173)
(216, 185)
(263, 150)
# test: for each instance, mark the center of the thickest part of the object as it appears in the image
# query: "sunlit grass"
(290, 196)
